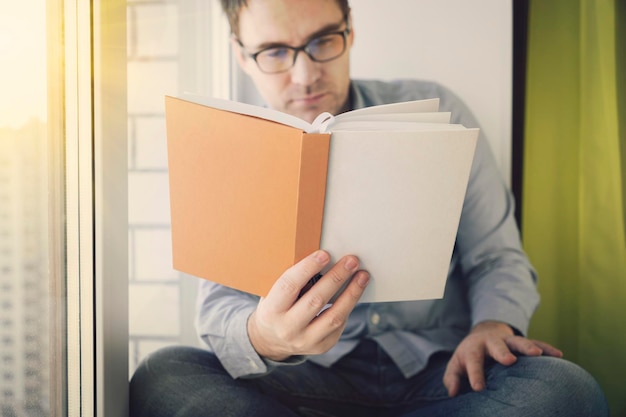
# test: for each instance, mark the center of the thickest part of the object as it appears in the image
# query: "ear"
(351, 35)
(242, 59)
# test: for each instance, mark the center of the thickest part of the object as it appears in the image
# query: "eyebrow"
(331, 27)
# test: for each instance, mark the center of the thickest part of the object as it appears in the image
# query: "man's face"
(308, 88)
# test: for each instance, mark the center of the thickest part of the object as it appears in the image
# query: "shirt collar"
(355, 98)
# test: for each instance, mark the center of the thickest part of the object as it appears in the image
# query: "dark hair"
(232, 8)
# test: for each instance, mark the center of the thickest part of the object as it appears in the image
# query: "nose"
(304, 71)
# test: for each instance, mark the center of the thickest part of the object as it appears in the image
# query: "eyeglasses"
(322, 48)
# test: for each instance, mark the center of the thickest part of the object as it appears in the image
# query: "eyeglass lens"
(321, 49)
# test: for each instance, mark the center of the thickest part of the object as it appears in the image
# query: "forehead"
(285, 21)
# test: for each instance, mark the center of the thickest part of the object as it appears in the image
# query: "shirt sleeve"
(501, 280)
(222, 325)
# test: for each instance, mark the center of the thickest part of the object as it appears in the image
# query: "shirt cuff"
(236, 353)
(234, 349)
(512, 316)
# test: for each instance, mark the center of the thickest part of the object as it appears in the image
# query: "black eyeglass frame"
(303, 48)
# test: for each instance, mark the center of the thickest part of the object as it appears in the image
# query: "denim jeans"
(182, 381)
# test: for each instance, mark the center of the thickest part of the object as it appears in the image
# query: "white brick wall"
(148, 82)
(147, 266)
(169, 50)
(157, 313)
(148, 198)
(156, 27)
(153, 71)
(150, 150)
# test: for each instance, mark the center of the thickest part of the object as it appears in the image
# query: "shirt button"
(375, 319)
(252, 363)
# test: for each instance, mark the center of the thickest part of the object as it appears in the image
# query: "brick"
(153, 255)
(148, 83)
(150, 143)
(154, 310)
(148, 198)
(156, 30)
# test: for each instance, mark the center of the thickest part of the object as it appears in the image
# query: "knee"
(175, 361)
(157, 367)
(163, 377)
(562, 386)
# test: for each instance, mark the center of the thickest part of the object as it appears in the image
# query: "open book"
(253, 191)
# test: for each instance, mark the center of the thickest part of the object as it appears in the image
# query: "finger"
(452, 376)
(475, 371)
(524, 346)
(286, 289)
(310, 304)
(500, 352)
(353, 292)
(548, 349)
(334, 319)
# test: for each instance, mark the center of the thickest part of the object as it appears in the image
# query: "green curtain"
(574, 184)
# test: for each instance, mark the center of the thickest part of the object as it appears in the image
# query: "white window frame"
(78, 205)
(96, 202)
(96, 265)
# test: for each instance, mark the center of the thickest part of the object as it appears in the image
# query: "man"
(463, 355)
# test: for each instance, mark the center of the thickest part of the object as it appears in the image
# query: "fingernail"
(476, 386)
(351, 264)
(321, 256)
(363, 279)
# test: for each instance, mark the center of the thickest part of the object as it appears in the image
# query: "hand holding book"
(285, 324)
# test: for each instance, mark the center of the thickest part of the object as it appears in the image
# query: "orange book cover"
(259, 207)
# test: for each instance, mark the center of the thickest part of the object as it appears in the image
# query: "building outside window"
(24, 278)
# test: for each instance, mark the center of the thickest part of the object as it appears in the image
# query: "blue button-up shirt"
(490, 277)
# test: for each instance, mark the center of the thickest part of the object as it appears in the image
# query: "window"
(26, 181)
(174, 47)
(97, 133)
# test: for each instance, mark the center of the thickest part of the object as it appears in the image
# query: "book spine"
(311, 193)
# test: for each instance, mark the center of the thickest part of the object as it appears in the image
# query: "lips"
(310, 99)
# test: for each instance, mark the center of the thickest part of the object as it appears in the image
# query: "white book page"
(418, 106)
(249, 110)
(426, 117)
(361, 126)
(395, 202)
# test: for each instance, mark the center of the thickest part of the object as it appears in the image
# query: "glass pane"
(168, 53)
(25, 281)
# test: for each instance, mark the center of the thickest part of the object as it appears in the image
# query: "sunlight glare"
(23, 61)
